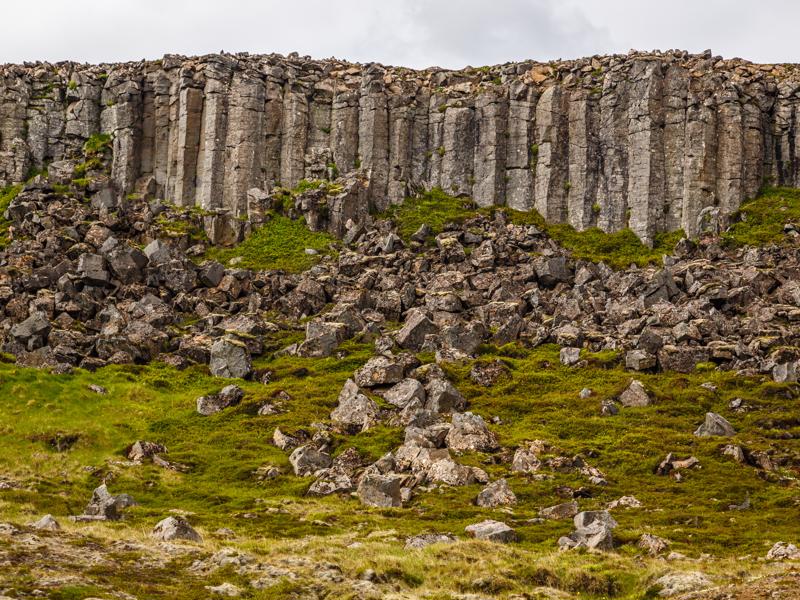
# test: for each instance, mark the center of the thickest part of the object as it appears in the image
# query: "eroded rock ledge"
(654, 141)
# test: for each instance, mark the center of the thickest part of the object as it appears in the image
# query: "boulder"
(673, 584)
(175, 528)
(497, 493)
(380, 370)
(32, 332)
(308, 460)
(47, 523)
(141, 451)
(469, 433)
(567, 510)
(92, 270)
(230, 358)
(639, 360)
(412, 335)
(652, 544)
(525, 461)
(104, 506)
(230, 395)
(570, 356)
(442, 396)
(492, 531)
(715, 426)
(635, 395)
(783, 551)
(381, 490)
(428, 539)
(355, 411)
(405, 393)
(592, 530)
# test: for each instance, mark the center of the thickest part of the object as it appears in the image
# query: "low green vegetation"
(7, 195)
(279, 244)
(618, 250)
(760, 221)
(538, 399)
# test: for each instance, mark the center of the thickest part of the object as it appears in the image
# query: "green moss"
(7, 195)
(97, 144)
(618, 250)
(434, 208)
(760, 221)
(278, 244)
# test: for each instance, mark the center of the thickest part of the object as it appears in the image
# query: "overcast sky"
(414, 33)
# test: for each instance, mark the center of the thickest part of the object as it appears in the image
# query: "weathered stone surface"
(635, 395)
(652, 141)
(307, 460)
(497, 493)
(715, 425)
(470, 433)
(230, 395)
(175, 528)
(230, 358)
(492, 531)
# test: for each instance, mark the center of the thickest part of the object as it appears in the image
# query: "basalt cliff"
(651, 141)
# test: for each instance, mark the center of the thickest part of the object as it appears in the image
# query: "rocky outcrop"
(650, 141)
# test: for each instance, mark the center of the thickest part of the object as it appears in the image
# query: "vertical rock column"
(373, 134)
(401, 121)
(244, 142)
(213, 133)
(730, 154)
(435, 154)
(584, 152)
(14, 153)
(273, 127)
(491, 111)
(122, 118)
(700, 158)
(520, 164)
(458, 147)
(344, 128)
(613, 185)
(785, 132)
(754, 124)
(646, 150)
(185, 116)
(676, 85)
(420, 142)
(318, 156)
(550, 187)
(294, 134)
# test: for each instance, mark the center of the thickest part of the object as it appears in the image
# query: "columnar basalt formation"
(650, 141)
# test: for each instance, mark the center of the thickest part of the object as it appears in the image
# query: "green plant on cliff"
(7, 194)
(761, 221)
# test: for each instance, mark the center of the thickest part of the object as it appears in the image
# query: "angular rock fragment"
(497, 493)
(175, 528)
(230, 395)
(635, 395)
(715, 426)
(491, 531)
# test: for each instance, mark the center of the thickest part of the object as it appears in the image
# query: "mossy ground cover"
(761, 221)
(7, 195)
(279, 244)
(538, 400)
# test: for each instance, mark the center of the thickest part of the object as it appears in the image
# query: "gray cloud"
(414, 33)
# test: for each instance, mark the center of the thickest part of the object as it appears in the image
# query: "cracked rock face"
(650, 141)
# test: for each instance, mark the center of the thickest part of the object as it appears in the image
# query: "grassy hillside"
(275, 520)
